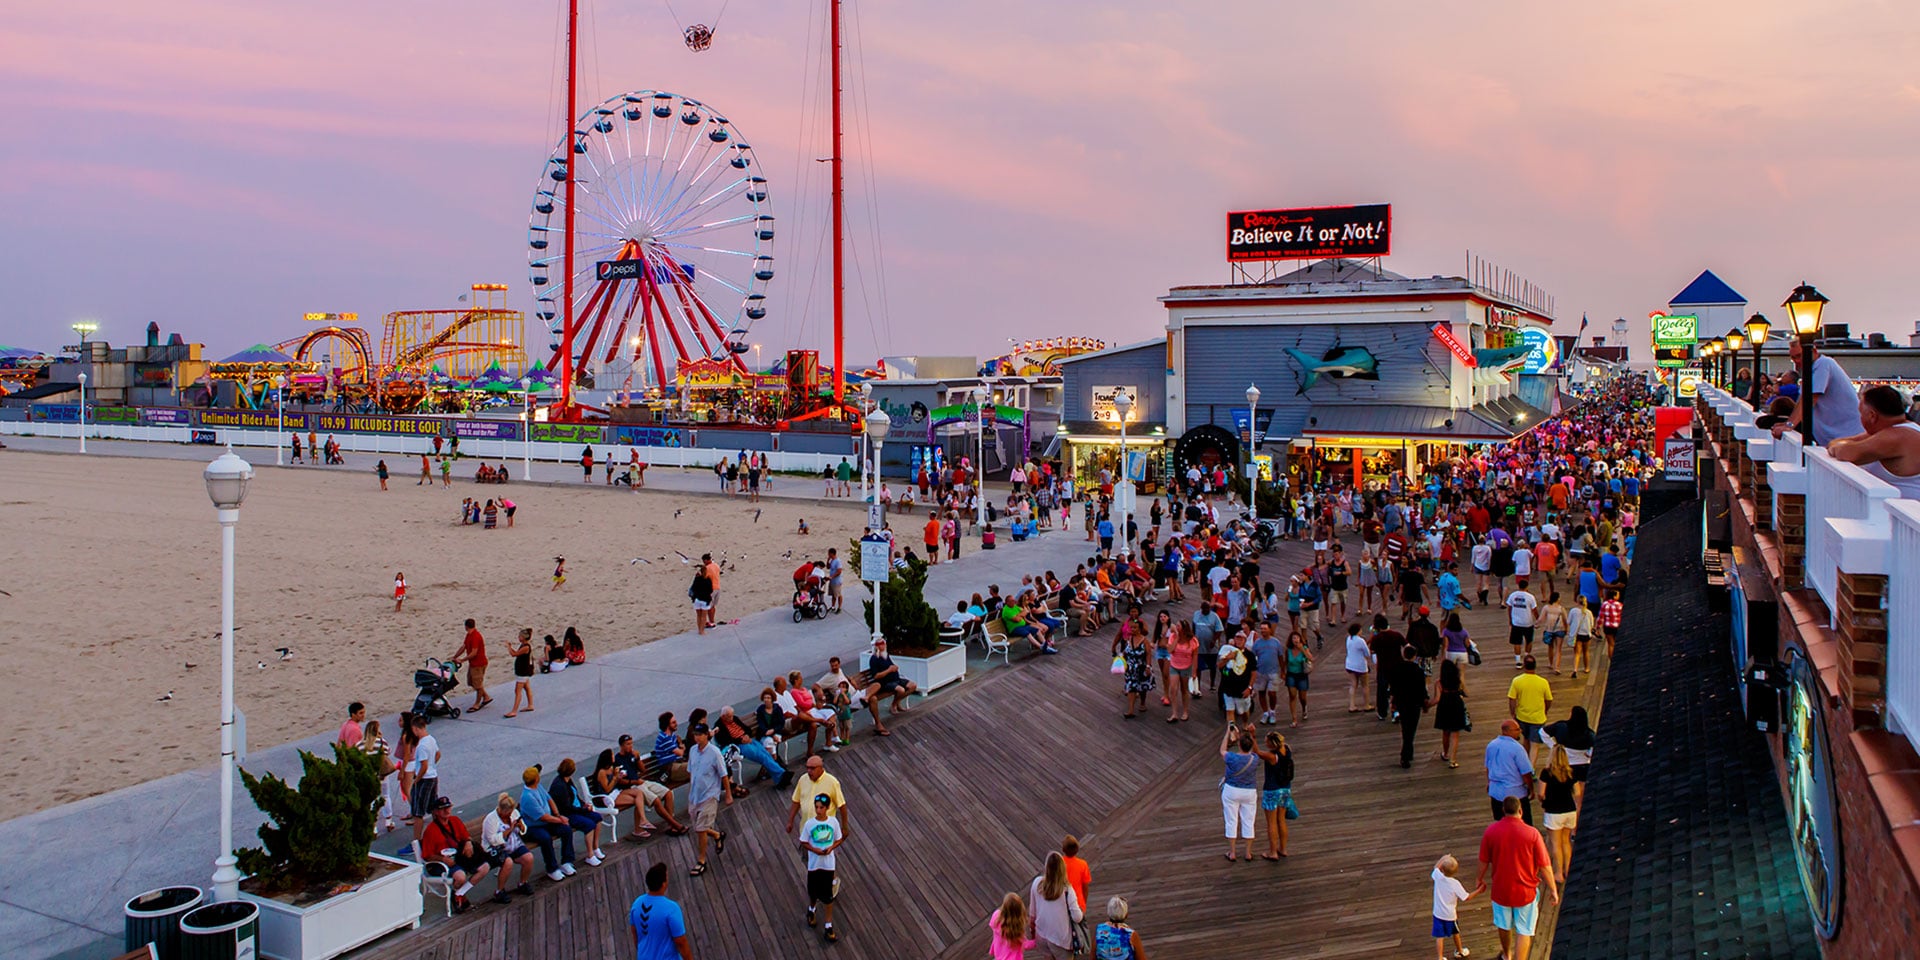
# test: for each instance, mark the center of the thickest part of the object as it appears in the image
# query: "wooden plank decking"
(962, 804)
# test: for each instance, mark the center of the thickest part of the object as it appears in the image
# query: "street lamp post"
(1803, 308)
(1757, 328)
(876, 423)
(83, 413)
(1123, 408)
(227, 478)
(983, 396)
(1253, 444)
(526, 428)
(1735, 340)
(280, 420)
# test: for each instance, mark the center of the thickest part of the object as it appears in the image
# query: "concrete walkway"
(75, 866)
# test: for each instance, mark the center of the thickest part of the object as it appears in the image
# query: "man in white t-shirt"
(1522, 558)
(1521, 607)
(1836, 405)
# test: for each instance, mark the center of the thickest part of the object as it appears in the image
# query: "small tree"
(321, 832)
(907, 620)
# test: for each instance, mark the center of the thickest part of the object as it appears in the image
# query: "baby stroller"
(809, 594)
(434, 681)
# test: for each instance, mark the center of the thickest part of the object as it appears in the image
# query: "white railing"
(1837, 491)
(509, 450)
(1903, 621)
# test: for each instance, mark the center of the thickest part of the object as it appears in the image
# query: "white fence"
(1855, 524)
(543, 452)
(1903, 620)
(1837, 491)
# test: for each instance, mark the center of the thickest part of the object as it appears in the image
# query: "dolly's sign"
(1309, 233)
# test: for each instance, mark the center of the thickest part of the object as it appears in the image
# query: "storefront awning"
(1498, 420)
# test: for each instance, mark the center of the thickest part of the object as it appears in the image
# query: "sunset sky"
(1033, 169)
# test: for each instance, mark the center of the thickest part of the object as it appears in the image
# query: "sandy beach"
(114, 586)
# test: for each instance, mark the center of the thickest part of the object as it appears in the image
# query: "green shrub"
(321, 832)
(907, 620)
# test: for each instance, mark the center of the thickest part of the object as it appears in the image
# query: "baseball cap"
(443, 803)
(1424, 611)
(700, 728)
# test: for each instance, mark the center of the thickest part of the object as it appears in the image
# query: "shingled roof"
(1683, 849)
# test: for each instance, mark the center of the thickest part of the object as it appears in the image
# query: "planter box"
(340, 923)
(949, 665)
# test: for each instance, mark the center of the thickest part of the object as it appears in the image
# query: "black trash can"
(221, 931)
(154, 917)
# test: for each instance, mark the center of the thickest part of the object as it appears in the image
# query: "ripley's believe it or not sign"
(1307, 233)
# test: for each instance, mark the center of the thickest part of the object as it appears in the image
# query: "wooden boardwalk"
(962, 804)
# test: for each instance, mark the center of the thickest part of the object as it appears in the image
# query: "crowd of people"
(1542, 527)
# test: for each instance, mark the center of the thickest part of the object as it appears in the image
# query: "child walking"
(399, 591)
(559, 572)
(822, 838)
(1448, 894)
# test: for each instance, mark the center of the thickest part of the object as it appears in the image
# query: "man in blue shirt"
(1105, 530)
(1509, 774)
(667, 751)
(1610, 567)
(659, 925)
(708, 788)
(1449, 587)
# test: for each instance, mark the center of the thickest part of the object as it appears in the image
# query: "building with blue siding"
(1361, 372)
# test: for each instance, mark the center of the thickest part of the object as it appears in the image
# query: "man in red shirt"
(473, 653)
(1610, 610)
(1516, 856)
(446, 841)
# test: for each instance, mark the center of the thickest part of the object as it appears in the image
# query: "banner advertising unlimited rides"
(1306, 233)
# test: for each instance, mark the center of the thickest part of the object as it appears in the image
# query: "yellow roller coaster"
(463, 342)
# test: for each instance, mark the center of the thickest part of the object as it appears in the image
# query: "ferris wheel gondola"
(674, 236)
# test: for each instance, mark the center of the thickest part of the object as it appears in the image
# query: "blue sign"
(1542, 351)
(1242, 421)
(647, 436)
(55, 412)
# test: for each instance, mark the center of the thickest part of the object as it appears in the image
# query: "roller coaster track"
(354, 337)
(443, 339)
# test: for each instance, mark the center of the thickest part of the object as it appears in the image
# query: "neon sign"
(1444, 333)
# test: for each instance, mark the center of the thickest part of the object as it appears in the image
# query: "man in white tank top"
(1890, 447)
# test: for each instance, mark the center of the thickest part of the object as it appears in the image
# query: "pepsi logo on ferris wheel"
(630, 270)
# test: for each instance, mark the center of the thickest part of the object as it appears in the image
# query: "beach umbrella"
(258, 353)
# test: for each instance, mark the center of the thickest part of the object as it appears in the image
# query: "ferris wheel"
(673, 231)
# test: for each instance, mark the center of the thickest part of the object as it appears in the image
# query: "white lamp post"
(227, 479)
(83, 413)
(280, 417)
(867, 409)
(526, 428)
(877, 423)
(1123, 408)
(1253, 464)
(982, 397)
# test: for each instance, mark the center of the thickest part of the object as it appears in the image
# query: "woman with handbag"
(1131, 648)
(1450, 710)
(1237, 795)
(1276, 792)
(1054, 913)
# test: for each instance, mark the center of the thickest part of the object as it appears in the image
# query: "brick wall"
(1862, 617)
(1880, 904)
(1792, 524)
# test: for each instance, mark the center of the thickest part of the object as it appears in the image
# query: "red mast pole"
(566, 139)
(839, 278)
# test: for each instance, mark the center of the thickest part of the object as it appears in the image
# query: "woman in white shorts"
(1359, 659)
(1239, 798)
(1556, 789)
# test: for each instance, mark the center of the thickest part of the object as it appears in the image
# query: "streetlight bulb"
(227, 478)
(1803, 308)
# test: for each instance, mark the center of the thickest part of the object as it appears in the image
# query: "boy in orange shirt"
(1079, 873)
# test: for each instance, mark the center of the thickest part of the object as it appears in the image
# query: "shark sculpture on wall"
(1497, 366)
(1357, 363)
